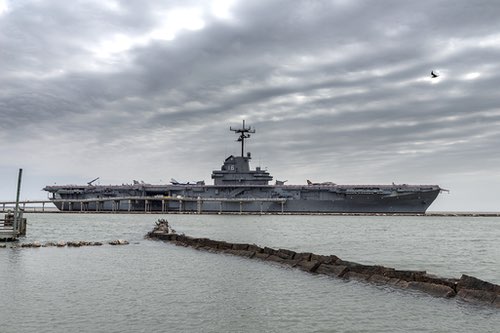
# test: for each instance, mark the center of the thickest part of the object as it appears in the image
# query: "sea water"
(152, 286)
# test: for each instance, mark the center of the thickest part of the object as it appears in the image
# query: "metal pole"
(16, 211)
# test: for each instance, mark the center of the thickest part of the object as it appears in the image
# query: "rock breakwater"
(63, 244)
(467, 288)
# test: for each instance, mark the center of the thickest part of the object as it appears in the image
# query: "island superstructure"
(239, 189)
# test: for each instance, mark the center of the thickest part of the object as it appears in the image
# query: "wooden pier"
(36, 206)
(13, 224)
(116, 204)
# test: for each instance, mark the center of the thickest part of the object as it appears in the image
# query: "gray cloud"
(338, 90)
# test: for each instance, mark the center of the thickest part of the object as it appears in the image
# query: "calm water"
(150, 286)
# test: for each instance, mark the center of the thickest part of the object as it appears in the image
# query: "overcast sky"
(337, 91)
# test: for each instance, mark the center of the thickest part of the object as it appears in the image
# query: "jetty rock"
(118, 242)
(467, 288)
(161, 228)
(63, 244)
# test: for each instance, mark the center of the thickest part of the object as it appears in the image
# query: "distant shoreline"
(47, 210)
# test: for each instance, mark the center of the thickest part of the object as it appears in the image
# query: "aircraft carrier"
(239, 189)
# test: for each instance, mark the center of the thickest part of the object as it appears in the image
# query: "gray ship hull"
(302, 200)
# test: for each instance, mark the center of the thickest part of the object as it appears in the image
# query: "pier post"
(129, 205)
(16, 211)
(199, 203)
(115, 206)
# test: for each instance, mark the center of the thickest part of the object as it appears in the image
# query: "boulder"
(477, 296)
(190, 240)
(278, 259)
(178, 243)
(308, 266)
(470, 282)
(285, 254)
(351, 275)
(303, 256)
(201, 248)
(398, 283)
(496, 302)
(255, 248)
(269, 250)
(210, 243)
(379, 279)
(438, 290)
(331, 259)
(61, 244)
(246, 253)
(240, 247)
(224, 246)
(261, 255)
(429, 278)
(119, 242)
(369, 269)
(171, 237)
(332, 270)
(404, 275)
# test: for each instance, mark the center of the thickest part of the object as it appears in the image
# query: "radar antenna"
(243, 135)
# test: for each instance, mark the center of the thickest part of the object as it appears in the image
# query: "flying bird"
(434, 75)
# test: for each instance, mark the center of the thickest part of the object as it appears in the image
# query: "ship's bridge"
(236, 171)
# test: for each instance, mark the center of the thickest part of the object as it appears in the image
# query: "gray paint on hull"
(410, 203)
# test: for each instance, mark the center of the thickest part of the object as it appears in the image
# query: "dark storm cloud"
(336, 89)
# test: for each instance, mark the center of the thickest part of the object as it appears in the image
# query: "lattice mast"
(244, 134)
